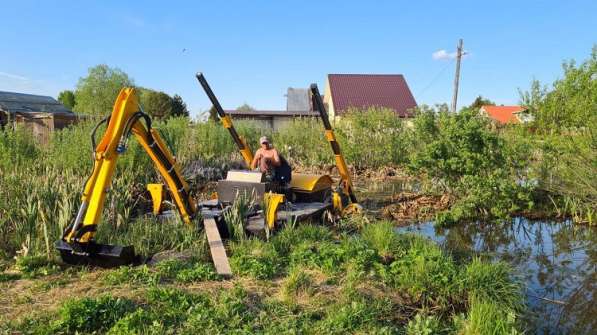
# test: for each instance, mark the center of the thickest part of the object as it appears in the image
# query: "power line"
(437, 76)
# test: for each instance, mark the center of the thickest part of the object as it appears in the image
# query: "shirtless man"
(266, 157)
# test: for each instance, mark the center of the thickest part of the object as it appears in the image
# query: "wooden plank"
(245, 176)
(216, 247)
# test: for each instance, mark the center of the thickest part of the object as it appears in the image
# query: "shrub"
(491, 282)
(383, 239)
(486, 317)
(425, 272)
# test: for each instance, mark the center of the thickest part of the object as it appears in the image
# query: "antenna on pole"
(459, 54)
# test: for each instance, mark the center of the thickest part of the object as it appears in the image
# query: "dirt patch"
(407, 207)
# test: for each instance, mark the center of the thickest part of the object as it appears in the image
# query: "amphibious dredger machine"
(306, 196)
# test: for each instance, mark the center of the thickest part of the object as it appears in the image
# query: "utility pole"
(459, 54)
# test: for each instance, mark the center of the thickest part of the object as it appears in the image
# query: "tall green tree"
(179, 107)
(67, 98)
(96, 93)
(156, 103)
(480, 101)
(572, 101)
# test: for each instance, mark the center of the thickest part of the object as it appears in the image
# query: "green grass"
(308, 279)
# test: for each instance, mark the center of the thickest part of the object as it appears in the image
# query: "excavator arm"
(346, 183)
(240, 142)
(77, 244)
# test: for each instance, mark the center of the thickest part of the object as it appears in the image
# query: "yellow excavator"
(305, 197)
(77, 245)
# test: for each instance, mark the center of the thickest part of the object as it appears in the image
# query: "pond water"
(556, 261)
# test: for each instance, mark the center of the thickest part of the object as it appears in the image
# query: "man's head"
(265, 142)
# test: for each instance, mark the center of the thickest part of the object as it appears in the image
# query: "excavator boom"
(331, 137)
(77, 245)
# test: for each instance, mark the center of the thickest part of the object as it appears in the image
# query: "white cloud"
(13, 76)
(443, 55)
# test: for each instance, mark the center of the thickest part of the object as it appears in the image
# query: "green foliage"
(96, 93)
(571, 103)
(425, 272)
(254, 258)
(423, 324)
(491, 282)
(165, 271)
(17, 148)
(479, 102)
(473, 163)
(382, 238)
(298, 282)
(179, 107)
(384, 132)
(35, 266)
(357, 316)
(486, 317)
(89, 315)
(67, 98)
(155, 103)
(245, 108)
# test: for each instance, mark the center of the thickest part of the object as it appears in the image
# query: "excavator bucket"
(102, 255)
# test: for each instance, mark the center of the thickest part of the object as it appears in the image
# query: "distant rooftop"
(368, 90)
(503, 114)
(12, 103)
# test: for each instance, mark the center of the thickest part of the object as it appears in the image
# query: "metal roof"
(21, 103)
(369, 90)
(281, 113)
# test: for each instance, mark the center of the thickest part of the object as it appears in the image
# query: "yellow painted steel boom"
(126, 118)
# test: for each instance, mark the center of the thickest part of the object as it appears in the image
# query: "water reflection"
(556, 261)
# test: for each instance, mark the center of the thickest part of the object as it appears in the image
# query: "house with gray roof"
(41, 114)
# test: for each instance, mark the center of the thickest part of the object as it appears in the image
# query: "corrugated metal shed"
(40, 114)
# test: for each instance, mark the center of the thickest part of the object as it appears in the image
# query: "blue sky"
(252, 51)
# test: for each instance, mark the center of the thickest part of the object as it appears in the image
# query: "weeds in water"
(491, 282)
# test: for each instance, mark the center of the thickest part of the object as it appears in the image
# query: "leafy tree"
(179, 107)
(95, 93)
(480, 101)
(571, 103)
(67, 98)
(155, 103)
(245, 108)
